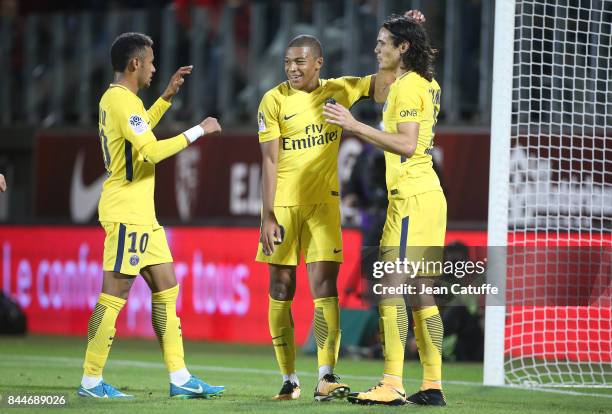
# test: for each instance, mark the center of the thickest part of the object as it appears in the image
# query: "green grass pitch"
(42, 365)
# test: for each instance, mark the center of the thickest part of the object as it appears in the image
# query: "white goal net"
(551, 194)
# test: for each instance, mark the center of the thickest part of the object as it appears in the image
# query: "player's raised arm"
(159, 108)
(381, 81)
(157, 151)
(139, 134)
(2, 183)
(175, 82)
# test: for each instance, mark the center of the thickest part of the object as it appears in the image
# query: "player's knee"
(122, 291)
(117, 292)
(325, 290)
(117, 286)
(282, 291)
(419, 302)
(323, 286)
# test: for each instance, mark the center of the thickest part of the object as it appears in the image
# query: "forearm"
(166, 96)
(380, 85)
(158, 109)
(394, 143)
(269, 170)
(157, 151)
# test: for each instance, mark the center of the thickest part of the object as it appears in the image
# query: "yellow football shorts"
(130, 247)
(415, 229)
(312, 229)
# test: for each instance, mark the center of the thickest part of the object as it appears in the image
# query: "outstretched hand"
(176, 81)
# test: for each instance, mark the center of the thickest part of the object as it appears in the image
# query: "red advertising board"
(54, 273)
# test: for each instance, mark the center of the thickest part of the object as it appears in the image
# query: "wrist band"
(194, 133)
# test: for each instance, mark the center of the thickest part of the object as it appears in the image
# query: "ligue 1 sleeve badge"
(137, 124)
(261, 121)
(134, 259)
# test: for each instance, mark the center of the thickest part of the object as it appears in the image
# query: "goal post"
(550, 195)
(499, 174)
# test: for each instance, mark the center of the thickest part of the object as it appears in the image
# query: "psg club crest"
(134, 260)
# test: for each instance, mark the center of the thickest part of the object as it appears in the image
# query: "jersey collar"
(403, 75)
(313, 92)
(117, 85)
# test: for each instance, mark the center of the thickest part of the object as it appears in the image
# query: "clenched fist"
(210, 126)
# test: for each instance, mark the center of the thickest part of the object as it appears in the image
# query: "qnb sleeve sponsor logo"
(408, 112)
(314, 137)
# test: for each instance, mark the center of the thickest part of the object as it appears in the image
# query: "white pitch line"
(257, 371)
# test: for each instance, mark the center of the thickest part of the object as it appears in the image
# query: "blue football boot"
(195, 388)
(102, 390)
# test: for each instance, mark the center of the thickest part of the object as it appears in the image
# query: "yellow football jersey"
(412, 98)
(125, 127)
(308, 146)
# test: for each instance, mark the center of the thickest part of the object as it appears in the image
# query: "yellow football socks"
(100, 333)
(327, 330)
(167, 327)
(281, 330)
(429, 331)
(393, 330)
